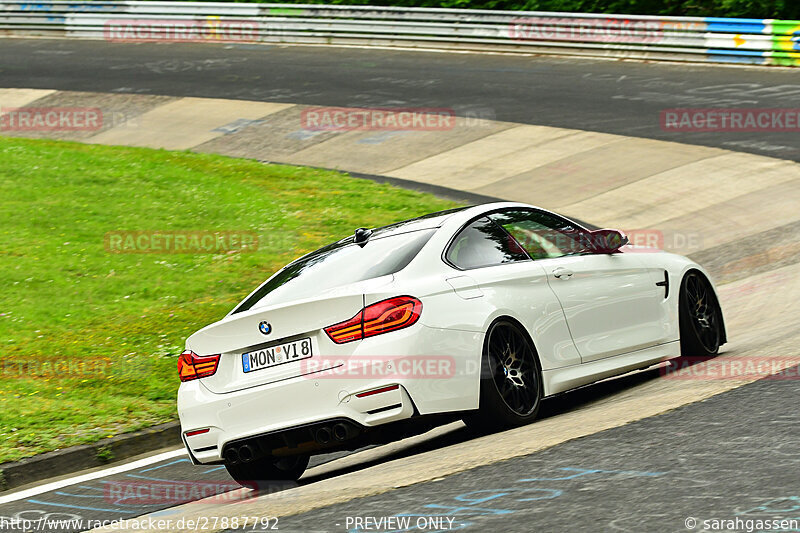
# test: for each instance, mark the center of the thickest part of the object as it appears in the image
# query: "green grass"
(65, 298)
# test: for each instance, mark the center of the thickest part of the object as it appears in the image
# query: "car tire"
(511, 380)
(699, 317)
(262, 472)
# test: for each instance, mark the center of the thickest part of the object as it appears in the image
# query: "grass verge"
(88, 337)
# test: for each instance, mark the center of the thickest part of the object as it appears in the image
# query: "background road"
(606, 96)
(733, 455)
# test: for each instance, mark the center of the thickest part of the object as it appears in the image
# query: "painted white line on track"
(34, 491)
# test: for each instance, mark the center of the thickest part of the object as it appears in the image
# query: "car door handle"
(562, 273)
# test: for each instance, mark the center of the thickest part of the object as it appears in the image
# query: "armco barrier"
(728, 40)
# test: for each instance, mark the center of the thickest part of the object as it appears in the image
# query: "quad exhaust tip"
(323, 435)
(231, 456)
(339, 432)
(241, 454)
(246, 453)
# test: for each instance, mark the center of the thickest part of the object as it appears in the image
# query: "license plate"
(276, 355)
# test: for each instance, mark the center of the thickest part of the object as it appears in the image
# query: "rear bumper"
(279, 406)
(311, 398)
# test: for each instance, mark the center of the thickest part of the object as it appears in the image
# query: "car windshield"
(338, 264)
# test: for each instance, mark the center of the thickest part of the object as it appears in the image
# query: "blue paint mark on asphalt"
(302, 135)
(583, 472)
(787, 505)
(380, 137)
(451, 510)
(152, 479)
(72, 506)
(549, 494)
(468, 504)
(236, 125)
(184, 460)
(77, 495)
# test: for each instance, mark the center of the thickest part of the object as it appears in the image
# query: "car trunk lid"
(241, 333)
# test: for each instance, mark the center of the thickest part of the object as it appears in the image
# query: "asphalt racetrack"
(625, 98)
(713, 450)
(725, 458)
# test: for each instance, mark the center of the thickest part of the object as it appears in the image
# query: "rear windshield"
(338, 264)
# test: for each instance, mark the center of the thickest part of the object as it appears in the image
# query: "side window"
(484, 243)
(542, 234)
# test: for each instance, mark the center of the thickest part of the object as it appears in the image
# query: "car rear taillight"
(349, 330)
(382, 317)
(192, 366)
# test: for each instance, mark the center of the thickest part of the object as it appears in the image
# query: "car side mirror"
(607, 241)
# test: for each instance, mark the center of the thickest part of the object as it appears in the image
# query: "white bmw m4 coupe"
(475, 313)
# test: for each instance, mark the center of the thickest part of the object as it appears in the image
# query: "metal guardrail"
(728, 40)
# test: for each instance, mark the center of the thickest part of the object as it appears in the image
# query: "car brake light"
(192, 366)
(377, 391)
(382, 317)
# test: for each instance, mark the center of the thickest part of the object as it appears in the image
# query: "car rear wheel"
(700, 317)
(511, 383)
(259, 473)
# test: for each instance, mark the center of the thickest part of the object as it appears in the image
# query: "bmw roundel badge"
(264, 327)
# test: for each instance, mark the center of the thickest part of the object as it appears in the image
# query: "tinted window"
(484, 243)
(338, 264)
(543, 235)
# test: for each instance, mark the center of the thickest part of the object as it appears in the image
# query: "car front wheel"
(700, 317)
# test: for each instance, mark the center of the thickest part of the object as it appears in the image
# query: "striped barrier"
(727, 40)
